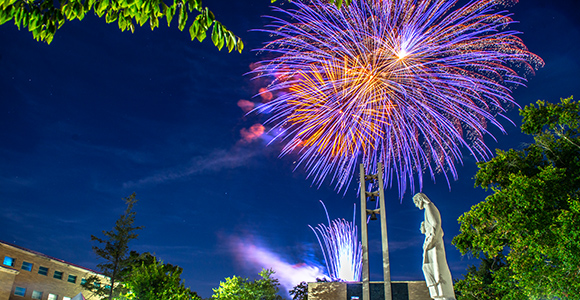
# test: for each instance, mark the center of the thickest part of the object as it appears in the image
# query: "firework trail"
(405, 82)
(341, 249)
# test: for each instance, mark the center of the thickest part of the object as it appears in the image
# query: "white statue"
(435, 269)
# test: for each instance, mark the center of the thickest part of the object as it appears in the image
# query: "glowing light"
(253, 133)
(246, 105)
(402, 54)
(340, 247)
(403, 82)
(249, 253)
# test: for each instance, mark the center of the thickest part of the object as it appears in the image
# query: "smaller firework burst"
(340, 247)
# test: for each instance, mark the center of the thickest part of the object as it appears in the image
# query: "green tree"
(115, 251)
(488, 282)
(533, 214)
(44, 17)
(238, 288)
(154, 280)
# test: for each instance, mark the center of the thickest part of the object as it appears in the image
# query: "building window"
(65, 298)
(42, 270)
(72, 279)
(9, 261)
(83, 281)
(57, 274)
(26, 266)
(52, 297)
(36, 295)
(19, 291)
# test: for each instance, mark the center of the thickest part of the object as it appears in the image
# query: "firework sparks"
(340, 247)
(404, 82)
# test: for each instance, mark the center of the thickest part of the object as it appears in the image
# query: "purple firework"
(405, 82)
(340, 247)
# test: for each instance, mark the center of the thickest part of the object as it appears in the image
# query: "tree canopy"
(533, 215)
(238, 288)
(488, 282)
(44, 17)
(154, 280)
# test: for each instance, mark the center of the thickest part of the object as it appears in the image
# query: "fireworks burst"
(340, 247)
(405, 82)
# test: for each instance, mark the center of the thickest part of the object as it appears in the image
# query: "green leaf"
(111, 16)
(240, 45)
(208, 17)
(19, 15)
(231, 41)
(91, 4)
(201, 34)
(170, 13)
(217, 35)
(153, 21)
(197, 4)
(143, 18)
(102, 7)
(65, 10)
(80, 10)
(7, 15)
(156, 9)
(214, 34)
(32, 23)
(182, 18)
(194, 5)
(9, 2)
(122, 23)
(49, 38)
(60, 19)
(193, 29)
(3, 17)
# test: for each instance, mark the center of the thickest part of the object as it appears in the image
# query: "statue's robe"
(435, 269)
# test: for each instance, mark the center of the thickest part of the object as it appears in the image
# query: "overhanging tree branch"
(43, 18)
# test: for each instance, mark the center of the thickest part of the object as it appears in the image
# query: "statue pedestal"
(401, 290)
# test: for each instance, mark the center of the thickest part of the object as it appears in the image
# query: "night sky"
(100, 114)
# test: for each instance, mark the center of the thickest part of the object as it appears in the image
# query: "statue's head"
(420, 200)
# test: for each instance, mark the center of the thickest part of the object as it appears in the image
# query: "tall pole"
(378, 178)
(366, 295)
(385, 240)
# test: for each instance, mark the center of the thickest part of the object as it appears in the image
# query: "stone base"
(401, 290)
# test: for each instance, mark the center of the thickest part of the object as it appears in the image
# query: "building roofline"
(49, 257)
(8, 270)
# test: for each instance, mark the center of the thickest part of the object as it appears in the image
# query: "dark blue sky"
(100, 114)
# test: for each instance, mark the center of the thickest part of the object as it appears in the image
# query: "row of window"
(20, 291)
(27, 266)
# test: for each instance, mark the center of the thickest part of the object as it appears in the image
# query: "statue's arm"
(433, 222)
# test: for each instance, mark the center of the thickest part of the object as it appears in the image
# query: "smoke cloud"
(249, 253)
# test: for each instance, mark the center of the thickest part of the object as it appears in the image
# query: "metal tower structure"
(375, 179)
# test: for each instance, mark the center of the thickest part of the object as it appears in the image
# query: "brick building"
(27, 274)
